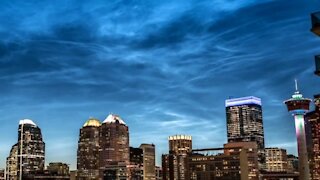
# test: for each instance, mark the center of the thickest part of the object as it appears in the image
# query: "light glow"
(243, 101)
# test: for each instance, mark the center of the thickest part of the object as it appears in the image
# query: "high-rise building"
(244, 122)
(276, 160)
(12, 164)
(313, 135)
(174, 163)
(29, 152)
(88, 150)
(149, 161)
(142, 162)
(114, 146)
(298, 106)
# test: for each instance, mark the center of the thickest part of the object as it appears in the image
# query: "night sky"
(166, 67)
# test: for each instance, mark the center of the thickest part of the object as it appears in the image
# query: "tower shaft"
(302, 148)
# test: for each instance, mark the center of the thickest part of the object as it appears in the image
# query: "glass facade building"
(244, 122)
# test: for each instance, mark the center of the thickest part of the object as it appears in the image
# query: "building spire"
(296, 85)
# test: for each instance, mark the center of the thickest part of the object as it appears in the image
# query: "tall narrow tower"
(298, 106)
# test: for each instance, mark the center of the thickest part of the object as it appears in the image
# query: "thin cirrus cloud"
(166, 67)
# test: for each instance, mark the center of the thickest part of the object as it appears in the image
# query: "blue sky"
(165, 67)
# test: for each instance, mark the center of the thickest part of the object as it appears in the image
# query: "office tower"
(174, 163)
(276, 160)
(12, 164)
(236, 160)
(298, 106)
(88, 150)
(313, 138)
(27, 156)
(244, 122)
(149, 161)
(114, 146)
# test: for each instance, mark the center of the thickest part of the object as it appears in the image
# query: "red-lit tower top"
(298, 104)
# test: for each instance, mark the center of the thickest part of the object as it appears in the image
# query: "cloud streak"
(166, 67)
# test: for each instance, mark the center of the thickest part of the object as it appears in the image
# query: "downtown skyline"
(170, 74)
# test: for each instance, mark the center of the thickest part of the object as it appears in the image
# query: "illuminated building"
(237, 160)
(29, 152)
(88, 150)
(114, 147)
(12, 164)
(276, 160)
(244, 122)
(149, 161)
(142, 162)
(313, 135)
(174, 163)
(298, 106)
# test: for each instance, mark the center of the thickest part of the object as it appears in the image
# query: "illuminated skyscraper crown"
(243, 101)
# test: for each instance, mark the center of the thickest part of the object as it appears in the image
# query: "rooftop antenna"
(296, 84)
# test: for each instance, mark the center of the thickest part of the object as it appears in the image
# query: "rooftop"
(27, 121)
(243, 101)
(113, 118)
(92, 122)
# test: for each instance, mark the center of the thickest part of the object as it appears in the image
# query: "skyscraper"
(313, 135)
(88, 150)
(29, 152)
(298, 106)
(149, 161)
(174, 164)
(114, 143)
(244, 122)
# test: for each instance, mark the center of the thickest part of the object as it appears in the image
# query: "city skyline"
(176, 74)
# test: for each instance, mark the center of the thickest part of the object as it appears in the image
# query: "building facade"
(237, 160)
(114, 146)
(276, 160)
(313, 138)
(174, 164)
(149, 161)
(27, 156)
(88, 150)
(245, 123)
